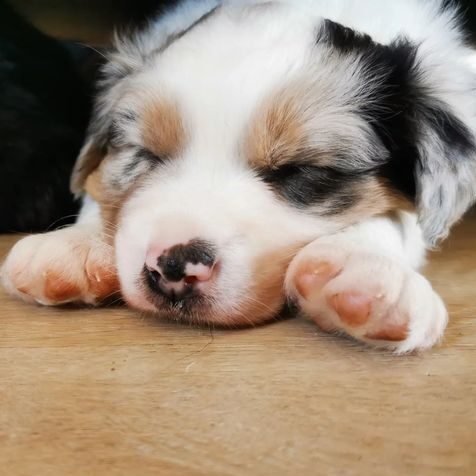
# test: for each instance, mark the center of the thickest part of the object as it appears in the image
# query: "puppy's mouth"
(181, 301)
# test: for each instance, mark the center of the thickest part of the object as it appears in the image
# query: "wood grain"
(109, 392)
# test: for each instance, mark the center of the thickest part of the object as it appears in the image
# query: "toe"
(312, 276)
(58, 289)
(353, 308)
(389, 332)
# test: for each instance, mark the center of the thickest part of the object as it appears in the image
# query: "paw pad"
(102, 282)
(313, 276)
(58, 289)
(353, 309)
(391, 333)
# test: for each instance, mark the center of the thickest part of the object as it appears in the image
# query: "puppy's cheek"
(130, 247)
(266, 297)
(102, 185)
(262, 306)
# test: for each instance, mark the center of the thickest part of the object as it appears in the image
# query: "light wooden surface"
(108, 392)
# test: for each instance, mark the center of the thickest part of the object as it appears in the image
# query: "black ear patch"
(342, 38)
(452, 132)
(427, 143)
(391, 112)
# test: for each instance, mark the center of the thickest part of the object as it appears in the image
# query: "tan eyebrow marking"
(162, 129)
(276, 136)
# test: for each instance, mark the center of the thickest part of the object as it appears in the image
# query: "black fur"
(116, 136)
(304, 185)
(392, 111)
(343, 39)
(45, 99)
(401, 106)
(467, 15)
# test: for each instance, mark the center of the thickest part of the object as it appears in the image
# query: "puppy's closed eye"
(149, 156)
(305, 185)
(141, 161)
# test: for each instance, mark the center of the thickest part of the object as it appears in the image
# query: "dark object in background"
(45, 100)
(46, 95)
(90, 21)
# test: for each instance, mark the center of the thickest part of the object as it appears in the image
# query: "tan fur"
(376, 197)
(59, 289)
(109, 199)
(109, 202)
(162, 129)
(89, 159)
(93, 185)
(266, 296)
(276, 135)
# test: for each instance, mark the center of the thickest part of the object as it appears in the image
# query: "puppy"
(245, 153)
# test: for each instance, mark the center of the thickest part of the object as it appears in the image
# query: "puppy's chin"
(248, 313)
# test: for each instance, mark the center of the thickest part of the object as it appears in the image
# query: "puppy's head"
(219, 150)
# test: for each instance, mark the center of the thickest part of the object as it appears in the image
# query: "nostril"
(154, 275)
(190, 280)
(153, 278)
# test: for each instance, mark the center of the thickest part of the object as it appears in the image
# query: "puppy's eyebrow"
(116, 135)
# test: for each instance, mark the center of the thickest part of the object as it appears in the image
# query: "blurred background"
(93, 20)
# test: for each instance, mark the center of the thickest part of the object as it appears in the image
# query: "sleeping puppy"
(249, 152)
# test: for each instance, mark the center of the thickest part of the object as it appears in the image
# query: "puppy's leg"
(363, 282)
(74, 264)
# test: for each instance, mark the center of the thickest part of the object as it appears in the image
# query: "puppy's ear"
(445, 173)
(90, 157)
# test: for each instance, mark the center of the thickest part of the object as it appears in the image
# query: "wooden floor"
(106, 392)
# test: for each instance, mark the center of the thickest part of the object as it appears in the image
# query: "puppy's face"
(230, 148)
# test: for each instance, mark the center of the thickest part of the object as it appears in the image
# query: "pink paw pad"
(391, 333)
(353, 309)
(59, 289)
(102, 282)
(313, 276)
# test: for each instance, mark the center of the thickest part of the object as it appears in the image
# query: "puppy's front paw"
(59, 267)
(367, 296)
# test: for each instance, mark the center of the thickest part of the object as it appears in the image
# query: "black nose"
(158, 285)
(173, 268)
(173, 262)
(173, 278)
